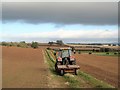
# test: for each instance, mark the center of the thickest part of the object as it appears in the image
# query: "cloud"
(99, 13)
(67, 35)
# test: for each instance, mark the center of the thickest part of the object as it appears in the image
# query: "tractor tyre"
(62, 72)
(75, 71)
(56, 66)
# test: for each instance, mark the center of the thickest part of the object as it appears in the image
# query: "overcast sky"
(71, 22)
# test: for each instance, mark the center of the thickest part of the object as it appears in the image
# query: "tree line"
(22, 44)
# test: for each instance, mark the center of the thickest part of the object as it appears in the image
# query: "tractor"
(65, 61)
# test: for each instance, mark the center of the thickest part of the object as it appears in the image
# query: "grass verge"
(72, 80)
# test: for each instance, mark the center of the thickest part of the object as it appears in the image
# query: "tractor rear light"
(59, 59)
(72, 58)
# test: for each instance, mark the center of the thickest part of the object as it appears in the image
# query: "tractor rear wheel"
(75, 71)
(62, 72)
(56, 67)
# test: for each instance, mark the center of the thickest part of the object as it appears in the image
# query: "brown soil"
(26, 68)
(102, 67)
(23, 68)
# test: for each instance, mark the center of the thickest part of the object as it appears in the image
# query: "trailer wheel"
(61, 72)
(76, 72)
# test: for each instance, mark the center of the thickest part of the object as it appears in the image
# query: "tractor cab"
(65, 56)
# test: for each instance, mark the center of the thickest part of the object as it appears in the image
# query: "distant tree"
(73, 48)
(13, 44)
(50, 43)
(10, 44)
(114, 44)
(18, 45)
(60, 42)
(106, 49)
(34, 45)
(4, 44)
(22, 42)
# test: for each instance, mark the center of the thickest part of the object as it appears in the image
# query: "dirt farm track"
(26, 67)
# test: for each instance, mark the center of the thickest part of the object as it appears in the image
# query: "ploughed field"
(27, 68)
(102, 67)
(23, 68)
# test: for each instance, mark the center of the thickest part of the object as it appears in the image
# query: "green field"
(100, 53)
